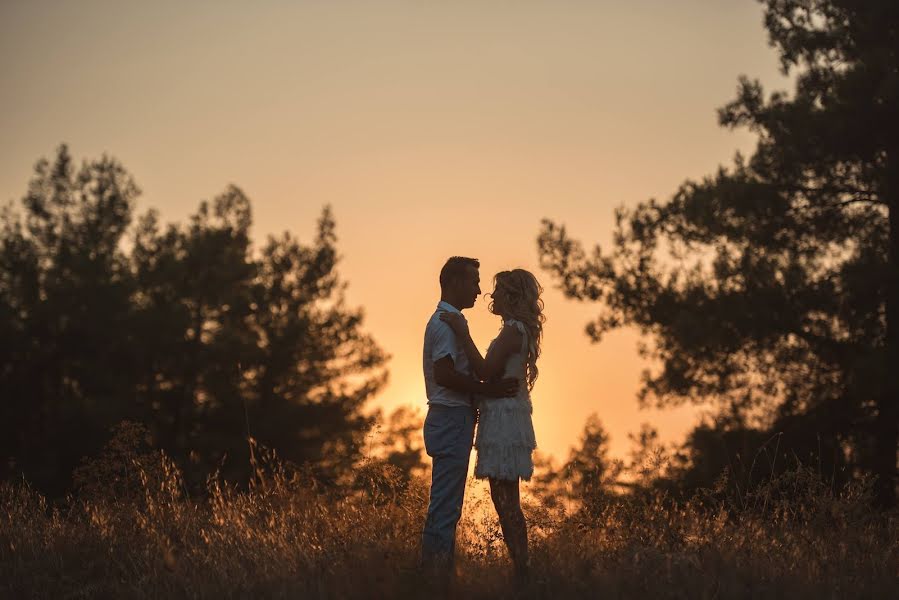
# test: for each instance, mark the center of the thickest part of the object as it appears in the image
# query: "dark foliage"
(772, 287)
(185, 328)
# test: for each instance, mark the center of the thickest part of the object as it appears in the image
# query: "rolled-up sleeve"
(443, 342)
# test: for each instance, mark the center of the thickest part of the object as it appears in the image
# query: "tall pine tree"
(772, 287)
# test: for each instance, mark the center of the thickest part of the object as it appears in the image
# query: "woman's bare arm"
(507, 343)
(485, 368)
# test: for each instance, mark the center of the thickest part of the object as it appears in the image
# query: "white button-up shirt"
(440, 341)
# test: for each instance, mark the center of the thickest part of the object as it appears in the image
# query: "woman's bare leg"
(507, 501)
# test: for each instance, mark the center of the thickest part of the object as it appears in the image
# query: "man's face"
(469, 287)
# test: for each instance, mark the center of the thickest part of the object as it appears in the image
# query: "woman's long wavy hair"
(521, 292)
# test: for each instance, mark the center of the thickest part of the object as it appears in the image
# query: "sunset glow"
(432, 130)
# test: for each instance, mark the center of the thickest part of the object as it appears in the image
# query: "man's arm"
(446, 375)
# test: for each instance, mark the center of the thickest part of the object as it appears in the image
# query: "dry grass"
(136, 534)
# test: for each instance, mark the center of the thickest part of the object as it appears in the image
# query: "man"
(449, 425)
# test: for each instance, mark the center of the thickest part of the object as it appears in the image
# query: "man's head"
(460, 281)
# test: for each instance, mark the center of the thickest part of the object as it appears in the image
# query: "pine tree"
(772, 287)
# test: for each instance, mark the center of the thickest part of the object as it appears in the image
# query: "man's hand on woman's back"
(503, 388)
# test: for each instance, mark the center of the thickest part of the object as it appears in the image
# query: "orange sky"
(433, 128)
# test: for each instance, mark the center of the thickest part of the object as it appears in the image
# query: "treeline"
(187, 328)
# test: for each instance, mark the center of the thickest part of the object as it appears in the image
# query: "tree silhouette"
(772, 288)
(586, 477)
(184, 327)
(65, 291)
(401, 443)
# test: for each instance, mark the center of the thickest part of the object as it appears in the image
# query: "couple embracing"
(492, 391)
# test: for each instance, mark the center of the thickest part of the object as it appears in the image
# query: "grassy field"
(132, 532)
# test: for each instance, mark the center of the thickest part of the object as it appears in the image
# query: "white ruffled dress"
(505, 437)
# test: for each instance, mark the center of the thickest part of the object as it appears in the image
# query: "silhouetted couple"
(492, 391)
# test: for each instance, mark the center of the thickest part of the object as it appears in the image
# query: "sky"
(432, 129)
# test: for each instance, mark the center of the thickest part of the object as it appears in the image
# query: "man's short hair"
(454, 269)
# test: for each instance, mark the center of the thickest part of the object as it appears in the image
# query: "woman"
(505, 438)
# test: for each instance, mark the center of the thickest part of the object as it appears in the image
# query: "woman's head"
(516, 295)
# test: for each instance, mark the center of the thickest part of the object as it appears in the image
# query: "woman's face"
(499, 301)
